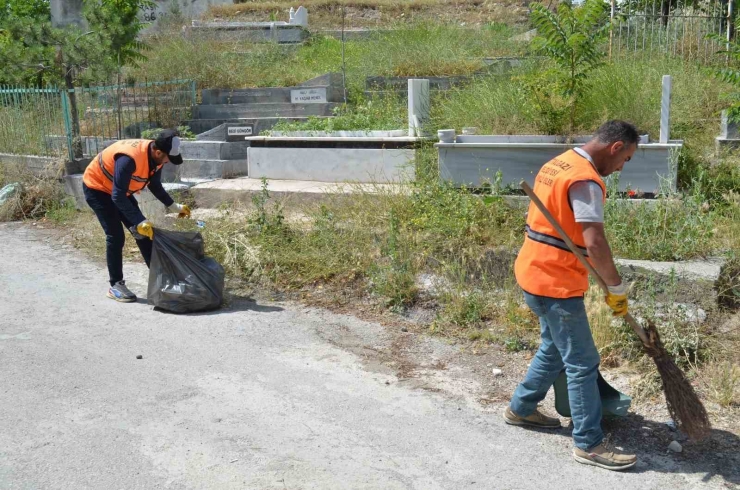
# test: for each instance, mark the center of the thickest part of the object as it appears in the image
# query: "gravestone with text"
(308, 96)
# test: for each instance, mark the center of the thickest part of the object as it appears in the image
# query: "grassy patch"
(628, 90)
(383, 113)
(420, 49)
(375, 13)
(666, 229)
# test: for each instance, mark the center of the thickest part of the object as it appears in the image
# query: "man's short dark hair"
(616, 130)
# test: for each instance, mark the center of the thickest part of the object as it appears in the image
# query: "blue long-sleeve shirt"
(124, 169)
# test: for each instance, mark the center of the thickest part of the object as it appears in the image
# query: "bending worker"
(109, 184)
(554, 284)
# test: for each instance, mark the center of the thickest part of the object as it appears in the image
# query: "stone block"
(474, 164)
(201, 170)
(39, 166)
(685, 283)
(73, 188)
(247, 111)
(217, 129)
(332, 164)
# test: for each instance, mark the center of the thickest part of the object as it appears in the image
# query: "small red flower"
(632, 193)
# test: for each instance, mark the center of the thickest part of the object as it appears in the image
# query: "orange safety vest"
(99, 173)
(545, 266)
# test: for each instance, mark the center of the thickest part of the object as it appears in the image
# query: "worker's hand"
(145, 229)
(616, 298)
(183, 210)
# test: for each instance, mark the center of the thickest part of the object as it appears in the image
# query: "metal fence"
(75, 123)
(672, 27)
(30, 119)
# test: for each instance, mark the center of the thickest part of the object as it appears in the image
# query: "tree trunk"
(665, 11)
(76, 139)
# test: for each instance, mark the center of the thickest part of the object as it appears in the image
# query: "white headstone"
(665, 110)
(301, 17)
(418, 105)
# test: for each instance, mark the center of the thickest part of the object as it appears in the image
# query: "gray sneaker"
(121, 293)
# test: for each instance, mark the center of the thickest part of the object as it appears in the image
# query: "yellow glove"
(617, 299)
(183, 210)
(146, 229)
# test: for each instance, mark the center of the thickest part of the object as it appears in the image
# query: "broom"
(683, 404)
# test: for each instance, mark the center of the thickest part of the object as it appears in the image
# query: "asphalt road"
(255, 396)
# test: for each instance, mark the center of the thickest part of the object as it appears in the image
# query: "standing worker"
(554, 284)
(109, 184)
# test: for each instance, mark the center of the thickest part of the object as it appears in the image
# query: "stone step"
(265, 32)
(266, 95)
(214, 150)
(259, 124)
(245, 111)
(204, 169)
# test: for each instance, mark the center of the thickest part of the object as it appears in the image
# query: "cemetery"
(344, 160)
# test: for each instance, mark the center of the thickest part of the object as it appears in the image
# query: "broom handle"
(628, 318)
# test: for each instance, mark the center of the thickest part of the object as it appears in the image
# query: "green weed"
(664, 229)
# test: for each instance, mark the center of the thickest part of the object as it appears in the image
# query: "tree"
(37, 52)
(729, 74)
(34, 52)
(572, 38)
(117, 25)
(37, 9)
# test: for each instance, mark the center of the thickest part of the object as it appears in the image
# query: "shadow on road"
(716, 456)
(232, 303)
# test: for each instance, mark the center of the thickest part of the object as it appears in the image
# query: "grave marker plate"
(308, 96)
(238, 133)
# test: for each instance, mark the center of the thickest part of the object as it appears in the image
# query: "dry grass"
(723, 383)
(377, 13)
(40, 195)
(606, 333)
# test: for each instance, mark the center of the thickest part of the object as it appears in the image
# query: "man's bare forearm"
(600, 254)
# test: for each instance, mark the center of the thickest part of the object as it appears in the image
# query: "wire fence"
(76, 123)
(30, 120)
(672, 27)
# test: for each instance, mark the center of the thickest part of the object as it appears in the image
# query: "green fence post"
(194, 93)
(67, 124)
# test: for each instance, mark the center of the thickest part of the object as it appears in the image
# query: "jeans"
(110, 219)
(566, 343)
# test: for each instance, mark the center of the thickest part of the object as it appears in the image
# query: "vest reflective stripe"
(551, 240)
(545, 266)
(102, 167)
(99, 174)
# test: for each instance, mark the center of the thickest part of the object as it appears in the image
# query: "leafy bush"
(571, 38)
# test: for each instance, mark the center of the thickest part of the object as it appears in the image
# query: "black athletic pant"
(111, 219)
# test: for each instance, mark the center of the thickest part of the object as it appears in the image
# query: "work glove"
(616, 298)
(183, 210)
(145, 229)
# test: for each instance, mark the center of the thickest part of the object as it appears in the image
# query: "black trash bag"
(181, 278)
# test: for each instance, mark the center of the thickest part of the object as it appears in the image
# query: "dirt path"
(254, 396)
